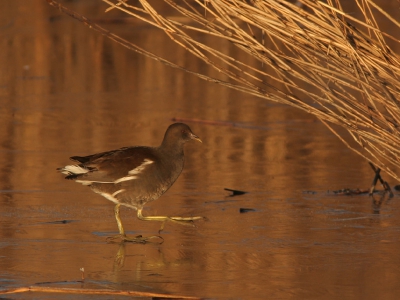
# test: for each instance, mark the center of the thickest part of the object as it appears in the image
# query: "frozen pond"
(65, 90)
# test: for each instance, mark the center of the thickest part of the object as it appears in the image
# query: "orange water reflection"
(65, 90)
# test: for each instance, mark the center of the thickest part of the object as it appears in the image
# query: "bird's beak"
(195, 137)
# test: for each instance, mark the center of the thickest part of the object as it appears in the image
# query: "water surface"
(65, 90)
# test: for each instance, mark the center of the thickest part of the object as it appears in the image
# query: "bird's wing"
(111, 167)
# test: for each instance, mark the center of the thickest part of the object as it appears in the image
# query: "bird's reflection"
(119, 259)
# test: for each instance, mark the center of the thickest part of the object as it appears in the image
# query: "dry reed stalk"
(43, 289)
(320, 60)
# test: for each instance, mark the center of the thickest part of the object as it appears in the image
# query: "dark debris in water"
(60, 222)
(235, 192)
(309, 192)
(243, 210)
(220, 201)
(350, 192)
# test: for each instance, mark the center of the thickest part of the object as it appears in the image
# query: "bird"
(134, 176)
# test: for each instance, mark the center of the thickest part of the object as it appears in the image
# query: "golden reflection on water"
(67, 91)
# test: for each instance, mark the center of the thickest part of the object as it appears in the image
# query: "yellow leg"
(179, 220)
(122, 235)
(118, 218)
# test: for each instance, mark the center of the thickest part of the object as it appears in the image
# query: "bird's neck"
(171, 149)
(173, 158)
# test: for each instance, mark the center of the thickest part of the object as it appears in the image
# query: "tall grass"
(312, 56)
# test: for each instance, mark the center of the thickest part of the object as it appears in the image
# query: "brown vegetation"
(312, 56)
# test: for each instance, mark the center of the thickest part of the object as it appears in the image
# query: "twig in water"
(43, 289)
(375, 180)
(82, 273)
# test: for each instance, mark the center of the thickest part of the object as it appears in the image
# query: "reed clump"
(311, 55)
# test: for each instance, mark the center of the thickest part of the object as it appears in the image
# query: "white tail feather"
(73, 170)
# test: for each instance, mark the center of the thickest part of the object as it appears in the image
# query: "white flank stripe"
(135, 171)
(89, 182)
(84, 182)
(139, 169)
(126, 178)
(117, 192)
(109, 197)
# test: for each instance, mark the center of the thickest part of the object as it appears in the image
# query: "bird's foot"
(187, 221)
(180, 220)
(137, 239)
(184, 220)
